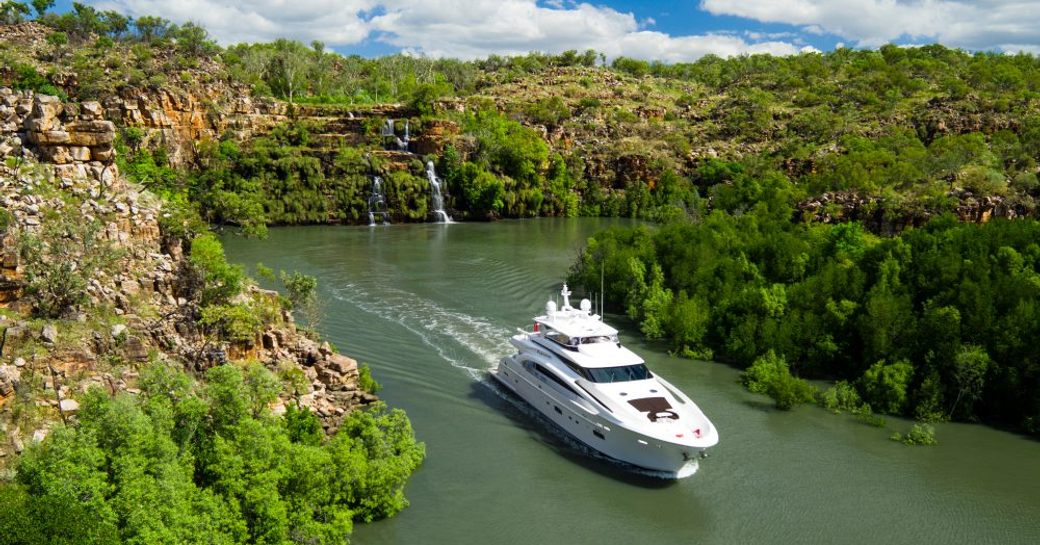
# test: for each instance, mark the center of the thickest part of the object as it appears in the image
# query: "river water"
(430, 307)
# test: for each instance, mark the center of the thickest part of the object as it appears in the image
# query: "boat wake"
(458, 337)
(449, 333)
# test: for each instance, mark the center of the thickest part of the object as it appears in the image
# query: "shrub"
(57, 38)
(548, 111)
(60, 261)
(219, 279)
(236, 323)
(919, 434)
(841, 397)
(365, 380)
(770, 375)
(303, 295)
(181, 461)
(885, 386)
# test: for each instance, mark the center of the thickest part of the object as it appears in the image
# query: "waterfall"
(436, 200)
(377, 204)
(389, 132)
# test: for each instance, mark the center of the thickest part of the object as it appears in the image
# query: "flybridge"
(579, 326)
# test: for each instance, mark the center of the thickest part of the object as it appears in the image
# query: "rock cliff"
(57, 173)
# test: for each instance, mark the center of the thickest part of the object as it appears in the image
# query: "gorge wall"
(59, 185)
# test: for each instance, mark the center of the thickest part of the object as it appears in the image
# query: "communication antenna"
(602, 311)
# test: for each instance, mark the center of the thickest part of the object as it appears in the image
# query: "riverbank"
(129, 342)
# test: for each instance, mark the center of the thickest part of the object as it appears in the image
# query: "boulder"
(46, 109)
(91, 111)
(80, 153)
(49, 334)
(134, 349)
(69, 405)
(49, 137)
(104, 154)
(10, 377)
(58, 155)
(342, 364)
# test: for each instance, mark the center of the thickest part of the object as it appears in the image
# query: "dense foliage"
(935, 323)
(185, 462)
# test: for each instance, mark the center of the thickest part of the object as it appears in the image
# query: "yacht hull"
(592, 429)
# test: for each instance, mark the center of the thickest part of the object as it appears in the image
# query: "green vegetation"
(919, 434)
(934, 323)
(60, 261)
(185, 460)
(303, 295)
(770, 375)
(218, 280)
(366, 381)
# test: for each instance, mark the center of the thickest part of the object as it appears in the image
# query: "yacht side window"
(560, 338)
(623, 373)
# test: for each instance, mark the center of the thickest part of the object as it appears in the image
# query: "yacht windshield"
(599, 339)
(622, 373)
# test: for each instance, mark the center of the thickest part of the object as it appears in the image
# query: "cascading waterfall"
(436, 201)
(389, 132)
(377, 212)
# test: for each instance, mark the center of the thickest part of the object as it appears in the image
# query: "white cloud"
(460, 28)
(331, 21)
(1008, 25)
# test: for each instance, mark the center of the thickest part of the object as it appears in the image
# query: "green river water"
(430, 308)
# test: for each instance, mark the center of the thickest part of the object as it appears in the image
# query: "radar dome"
(550, 308)
(586, 305)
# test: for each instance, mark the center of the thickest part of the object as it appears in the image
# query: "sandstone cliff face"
(56, 161)
(878, 217)
(179, 120)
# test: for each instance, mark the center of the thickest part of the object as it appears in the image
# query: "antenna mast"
(602, 311)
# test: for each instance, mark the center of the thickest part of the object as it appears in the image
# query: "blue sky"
(678, 30)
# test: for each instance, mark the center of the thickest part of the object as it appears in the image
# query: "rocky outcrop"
(887, 218)
(63, 168)
(944, 115)
(179, 120)
(73, 137)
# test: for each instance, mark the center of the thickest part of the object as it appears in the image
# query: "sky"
(666, 30)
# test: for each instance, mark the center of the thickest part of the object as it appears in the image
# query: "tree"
(193, 40)
(41, 6)
(12, 12)
(60, 261)
(288, 68)
(303, 295)
(969, 374)
(219, 280)
(151, 29)
(885, 386)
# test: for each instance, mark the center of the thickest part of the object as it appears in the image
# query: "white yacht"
(572, 368)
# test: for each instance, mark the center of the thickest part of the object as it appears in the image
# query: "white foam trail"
(435, 325)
